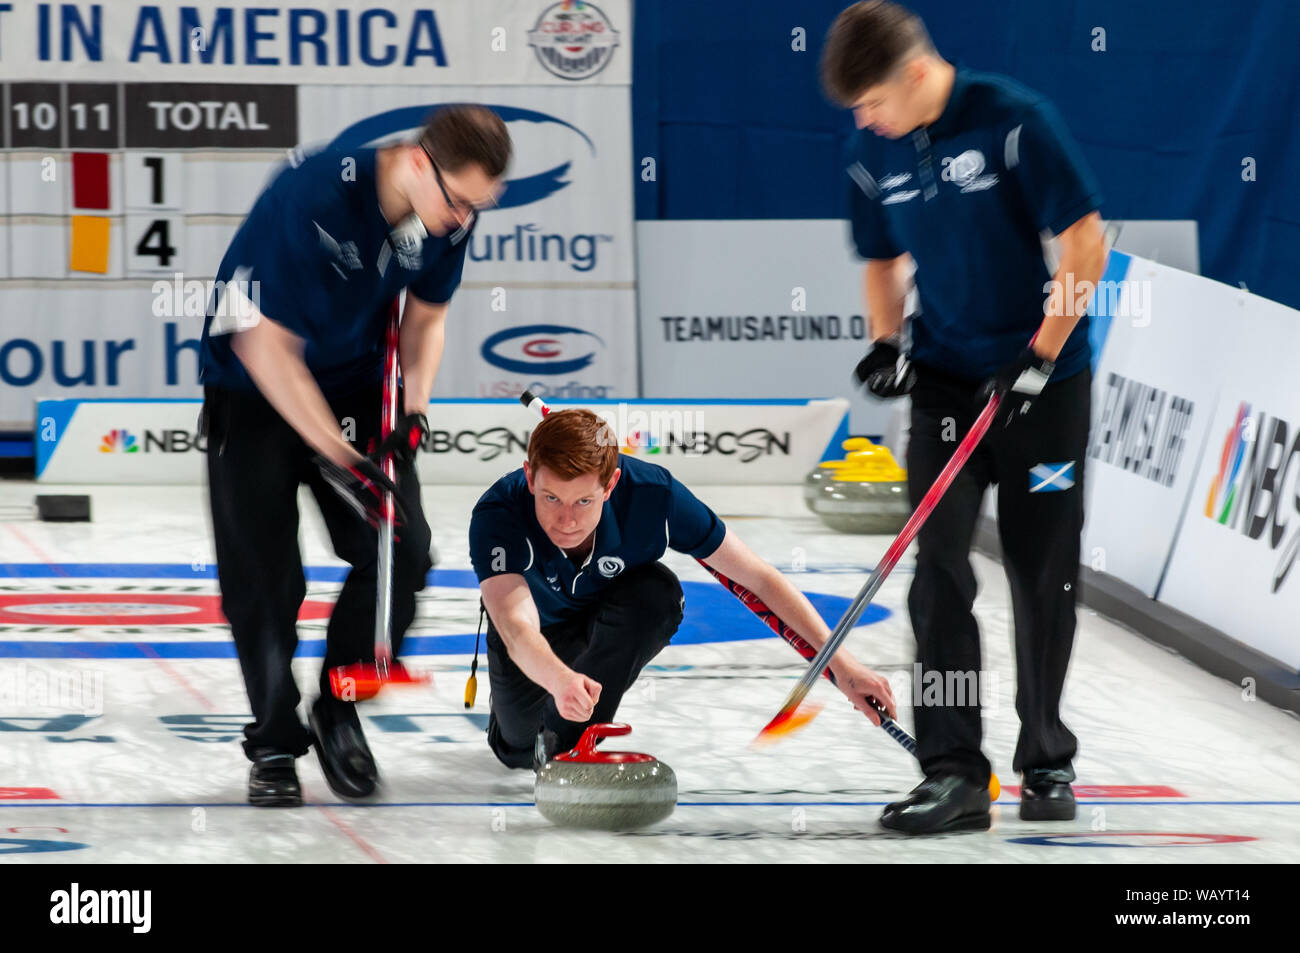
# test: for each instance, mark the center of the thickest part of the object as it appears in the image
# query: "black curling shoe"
(345, 758)
(546, 747)
(1046, 795)
(943, 803)
(273, 782)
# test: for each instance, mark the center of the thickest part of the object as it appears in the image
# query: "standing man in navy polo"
(292, 365)
(567, 553)
(965, 172)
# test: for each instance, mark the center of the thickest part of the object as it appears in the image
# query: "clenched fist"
(576, 696)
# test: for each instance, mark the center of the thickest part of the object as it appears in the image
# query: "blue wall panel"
(1183, 93)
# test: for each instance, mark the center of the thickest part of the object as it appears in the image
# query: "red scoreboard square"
(90, 180)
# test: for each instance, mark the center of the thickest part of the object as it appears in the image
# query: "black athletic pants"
(256, 462)
(610, 642)
(1040, 536)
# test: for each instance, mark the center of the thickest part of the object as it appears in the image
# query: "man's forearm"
(273, 358)
(884, 294)
(1068, 301)
(530, 651)
(422, 341)
(792, 607)
(1083, 262)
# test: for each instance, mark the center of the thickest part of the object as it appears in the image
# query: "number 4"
(155, 242)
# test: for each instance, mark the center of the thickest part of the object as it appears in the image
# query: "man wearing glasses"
(291, 364)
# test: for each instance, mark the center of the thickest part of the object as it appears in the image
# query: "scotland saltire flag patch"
(1048, 477)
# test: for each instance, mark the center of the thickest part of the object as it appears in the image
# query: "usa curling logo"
(118, 441)
(573, 39)
(540, 349)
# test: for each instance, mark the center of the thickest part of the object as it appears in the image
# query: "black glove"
(405, 439)
(885, 371)
(1018, 383)
(361, 486)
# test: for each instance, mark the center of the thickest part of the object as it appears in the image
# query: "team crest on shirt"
(341, 254)
(405, 243)
(890, 183)
(609, 566)
(965, 171)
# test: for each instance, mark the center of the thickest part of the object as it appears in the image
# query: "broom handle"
(387, 421)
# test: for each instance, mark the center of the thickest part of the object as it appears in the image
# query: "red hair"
(572, 443)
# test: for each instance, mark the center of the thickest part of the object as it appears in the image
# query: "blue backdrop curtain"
(1183, 94)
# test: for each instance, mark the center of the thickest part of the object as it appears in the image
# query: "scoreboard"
(136, 136)
(135, 179)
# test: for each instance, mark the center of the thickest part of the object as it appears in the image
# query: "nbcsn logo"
(118, 441)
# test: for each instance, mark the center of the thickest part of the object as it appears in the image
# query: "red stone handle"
(592, 736)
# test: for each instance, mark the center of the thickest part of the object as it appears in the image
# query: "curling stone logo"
(573, 39)
(118, 441)
(540, 349)
(965, 171)
(609, 566)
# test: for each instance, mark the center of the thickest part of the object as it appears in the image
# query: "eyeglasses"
(458, 207)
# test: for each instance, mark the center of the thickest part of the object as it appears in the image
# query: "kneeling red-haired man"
(567, 553)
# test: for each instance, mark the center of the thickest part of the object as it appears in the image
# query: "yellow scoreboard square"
(89, 244)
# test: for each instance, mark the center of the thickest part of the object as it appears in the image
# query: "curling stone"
(869, 495)
(821, 474)
(604, 790)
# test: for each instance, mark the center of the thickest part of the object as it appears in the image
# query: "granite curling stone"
(604, 790)
(869, 495)
(820, 475)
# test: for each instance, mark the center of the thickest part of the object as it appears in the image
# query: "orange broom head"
(787, 722)
(362, 681)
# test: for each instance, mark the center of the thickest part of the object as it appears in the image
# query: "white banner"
(472, 442)
(575, 344)
(753, 309)
(1234, 564)
(119, 441)
(1152, 395)
(699, 441)
(101, 342)
(346, 42)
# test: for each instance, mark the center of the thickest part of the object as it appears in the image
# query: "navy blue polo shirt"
(968, 197)
(648, 513)
(326, 265)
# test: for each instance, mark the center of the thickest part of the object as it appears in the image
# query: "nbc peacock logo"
(1256, 485)
(1223, 488)
(119, 441)
(641, 441)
